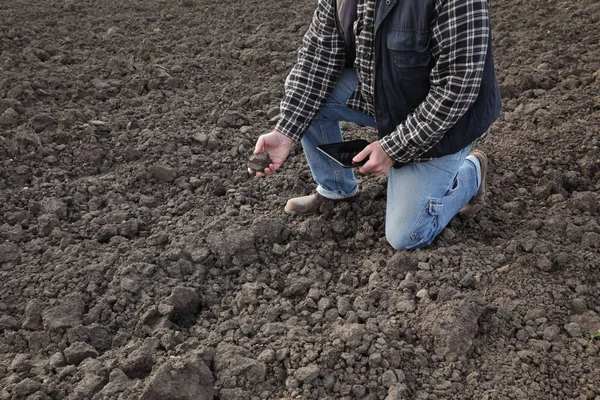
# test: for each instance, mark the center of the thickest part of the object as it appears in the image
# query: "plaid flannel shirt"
(458, 43)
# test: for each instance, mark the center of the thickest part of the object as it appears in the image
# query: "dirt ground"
(138, 260)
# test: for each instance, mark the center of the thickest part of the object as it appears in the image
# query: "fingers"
(258, 148)
(370, 164)
(270, 169)
(369, 167)
(379, 162)
(277, 146)
(373, 166)
(259, 174)
(267, 171)
(363, 154)
(273, 167)
(260, 145)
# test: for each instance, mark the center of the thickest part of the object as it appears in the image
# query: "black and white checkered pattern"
(460, 31)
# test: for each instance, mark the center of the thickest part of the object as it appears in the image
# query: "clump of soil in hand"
(260, 161)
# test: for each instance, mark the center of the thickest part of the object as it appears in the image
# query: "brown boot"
(477, 202)
(310, 204)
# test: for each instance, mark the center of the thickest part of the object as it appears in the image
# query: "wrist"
(385, 148)
(283, 138)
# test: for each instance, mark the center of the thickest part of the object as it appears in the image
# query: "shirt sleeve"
(460, 36)
(313, 77)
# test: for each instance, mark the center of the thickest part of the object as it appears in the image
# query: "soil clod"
(260, 161)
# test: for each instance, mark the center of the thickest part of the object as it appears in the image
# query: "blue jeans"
(421, 198)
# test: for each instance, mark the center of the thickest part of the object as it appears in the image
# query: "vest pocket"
(410, 52)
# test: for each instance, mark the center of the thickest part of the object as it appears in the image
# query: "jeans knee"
(401, 240)
(405, 232)
(405, 239)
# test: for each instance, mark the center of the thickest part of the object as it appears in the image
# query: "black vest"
(403, 63)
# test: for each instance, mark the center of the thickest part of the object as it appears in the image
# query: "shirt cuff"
(289, 128)
(393, 150)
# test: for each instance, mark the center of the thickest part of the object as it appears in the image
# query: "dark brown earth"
(139, 260)
(260, 161)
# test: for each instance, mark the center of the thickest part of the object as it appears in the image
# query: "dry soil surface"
(138, 260)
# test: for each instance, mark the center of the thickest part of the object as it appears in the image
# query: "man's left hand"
(379, 162)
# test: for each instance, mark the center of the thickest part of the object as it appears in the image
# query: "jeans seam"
(325, 139)
(413, 233)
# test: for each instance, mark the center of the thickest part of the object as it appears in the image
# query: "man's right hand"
(277, 145)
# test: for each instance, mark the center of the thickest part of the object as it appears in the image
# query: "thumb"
(260, 145)
(364, 153)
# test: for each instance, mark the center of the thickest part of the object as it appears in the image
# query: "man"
(421, 72)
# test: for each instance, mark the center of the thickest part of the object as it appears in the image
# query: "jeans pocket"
(426, 227)
(453, 188)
